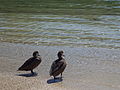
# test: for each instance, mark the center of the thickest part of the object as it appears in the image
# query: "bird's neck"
(35, 57)
(60, 58)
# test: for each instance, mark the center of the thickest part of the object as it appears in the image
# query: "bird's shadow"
(28, 74)
(56, 80)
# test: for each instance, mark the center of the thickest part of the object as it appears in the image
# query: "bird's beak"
(63, 55)
(38, 54)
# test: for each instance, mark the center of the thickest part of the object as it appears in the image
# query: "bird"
(31, 63)
(58, 66)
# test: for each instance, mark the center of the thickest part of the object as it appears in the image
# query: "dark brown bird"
(31, 63)
(58, 65)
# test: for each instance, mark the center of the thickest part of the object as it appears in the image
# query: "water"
(61, 23)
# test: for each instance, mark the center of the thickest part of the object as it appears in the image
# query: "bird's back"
(30, 64)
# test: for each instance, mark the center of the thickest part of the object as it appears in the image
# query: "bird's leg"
(32, 72)
(61, 75)
(54, 77)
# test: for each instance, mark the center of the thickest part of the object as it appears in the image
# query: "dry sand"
(88, 68)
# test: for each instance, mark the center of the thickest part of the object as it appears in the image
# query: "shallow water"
(87, 68)
(68, 23)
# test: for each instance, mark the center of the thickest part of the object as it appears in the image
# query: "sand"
(88, 68)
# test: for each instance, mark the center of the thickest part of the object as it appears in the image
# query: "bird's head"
(36, 54)
(60, 54)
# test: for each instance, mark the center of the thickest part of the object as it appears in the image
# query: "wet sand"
(88, 68)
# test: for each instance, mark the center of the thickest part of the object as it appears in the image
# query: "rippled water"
(75, 29)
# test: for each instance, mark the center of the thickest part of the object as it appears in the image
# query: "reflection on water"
(58, 79)
(28, 75)
(70, 30)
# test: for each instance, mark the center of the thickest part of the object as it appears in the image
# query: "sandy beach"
(88, 68)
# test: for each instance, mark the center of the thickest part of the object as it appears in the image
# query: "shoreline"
(88, 68)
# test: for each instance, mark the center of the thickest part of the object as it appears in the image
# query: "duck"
(58, 66)
(31, 63)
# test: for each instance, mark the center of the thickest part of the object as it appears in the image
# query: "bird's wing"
(55, 66)
(26, 64)
(35, 62)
